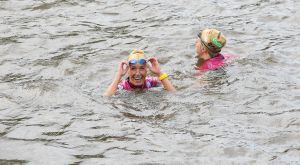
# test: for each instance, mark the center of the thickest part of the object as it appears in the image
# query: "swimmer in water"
(136, 68)
(208, 49)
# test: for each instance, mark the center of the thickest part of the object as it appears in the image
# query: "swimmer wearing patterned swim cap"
(208, 47)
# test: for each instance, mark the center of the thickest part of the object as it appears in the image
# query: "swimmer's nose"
(138, 72)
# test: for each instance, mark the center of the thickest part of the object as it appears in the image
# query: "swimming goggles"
(140, 61)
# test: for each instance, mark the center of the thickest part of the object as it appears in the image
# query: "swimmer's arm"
(156, 69)
(167, 84)
(112, 88)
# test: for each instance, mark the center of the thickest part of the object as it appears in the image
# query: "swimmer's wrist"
(118, 76)
(163, 76)
(158, 74)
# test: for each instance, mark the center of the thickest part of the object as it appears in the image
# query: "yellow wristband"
(163, 76)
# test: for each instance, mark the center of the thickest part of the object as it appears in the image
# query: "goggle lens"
(140, 61)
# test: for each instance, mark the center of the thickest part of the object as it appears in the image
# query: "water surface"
(57, 57)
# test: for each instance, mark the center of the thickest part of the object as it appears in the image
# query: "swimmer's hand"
(154, 67)
(122, 68)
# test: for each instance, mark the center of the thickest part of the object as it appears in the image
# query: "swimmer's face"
(137, 74)
(198, 46)
(200, 50)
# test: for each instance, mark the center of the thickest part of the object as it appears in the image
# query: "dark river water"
(57, 57)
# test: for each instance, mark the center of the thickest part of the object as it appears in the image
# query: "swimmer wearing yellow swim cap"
(136, 68)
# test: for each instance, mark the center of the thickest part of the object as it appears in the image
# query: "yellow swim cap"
(213, 40)
(136, 55)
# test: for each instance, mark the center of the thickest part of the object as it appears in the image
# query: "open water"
(57, 57)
